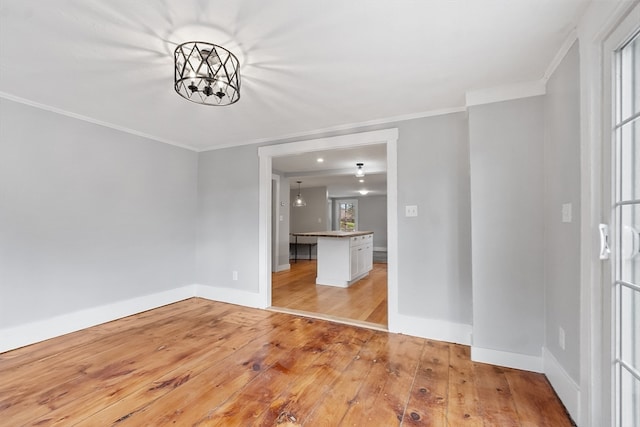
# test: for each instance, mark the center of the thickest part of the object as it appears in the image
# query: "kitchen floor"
(365, 301)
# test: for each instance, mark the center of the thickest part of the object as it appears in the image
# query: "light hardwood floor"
(199, 362)
(365, 301)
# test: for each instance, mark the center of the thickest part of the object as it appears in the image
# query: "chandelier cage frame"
(206, 73)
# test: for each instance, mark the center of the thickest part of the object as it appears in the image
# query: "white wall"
(88, 215)
(434, 253)
(313, 216)
(562, 186)
(507, 212)
(227, 221)
(372, 216)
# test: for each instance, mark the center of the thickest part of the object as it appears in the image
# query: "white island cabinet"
(343, 257)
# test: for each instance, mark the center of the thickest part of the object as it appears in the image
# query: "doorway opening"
(304, 271)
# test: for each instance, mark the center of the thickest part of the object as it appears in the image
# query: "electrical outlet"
(561, 337)
(411, 210)
(235, 275)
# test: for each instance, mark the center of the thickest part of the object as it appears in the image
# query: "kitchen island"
(344, 257)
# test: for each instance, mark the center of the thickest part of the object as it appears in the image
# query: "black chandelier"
(206, 73)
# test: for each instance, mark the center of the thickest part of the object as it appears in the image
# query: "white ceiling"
(306, 65)
(337, 170)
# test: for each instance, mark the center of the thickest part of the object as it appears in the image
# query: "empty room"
(366, 213)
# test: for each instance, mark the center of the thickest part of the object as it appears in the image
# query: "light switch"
(566, 212)
(281, 217)
(411, 210)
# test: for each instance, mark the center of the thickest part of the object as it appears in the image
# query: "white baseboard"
(434, 329)
(30, 333)
(507, 359)
(229, 295)
(566, 388)
(283, 267)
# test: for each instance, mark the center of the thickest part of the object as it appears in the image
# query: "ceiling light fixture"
(299, 201)
(320, 160)
(360, 171)
(206, 73)
(364, 192)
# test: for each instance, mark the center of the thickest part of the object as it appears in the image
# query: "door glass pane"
(629, 399)
(629, 82)
(630, 326)
(629, 161)
(629, 243)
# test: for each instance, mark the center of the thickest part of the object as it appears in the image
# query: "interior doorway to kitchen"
(364, 304)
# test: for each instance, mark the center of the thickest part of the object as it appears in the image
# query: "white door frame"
(597, 24)
(266, 154)
(621, 34)
(275, 258)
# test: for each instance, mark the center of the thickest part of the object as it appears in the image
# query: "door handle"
(605, 251)
(629, 242)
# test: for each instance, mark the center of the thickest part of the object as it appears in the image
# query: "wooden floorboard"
(207, 363)
(462, 407)
(365, 300)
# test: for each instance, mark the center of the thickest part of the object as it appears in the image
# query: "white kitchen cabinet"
(361, 255)
(354, 261)
(345, 259)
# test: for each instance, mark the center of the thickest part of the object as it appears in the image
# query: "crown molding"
(505, 93)
(88, 119)
(559, 56)
(351, 126)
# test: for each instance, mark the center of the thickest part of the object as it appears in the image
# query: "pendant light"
(360, 170)
(299, 201)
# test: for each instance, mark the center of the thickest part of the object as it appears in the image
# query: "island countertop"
(338, 234)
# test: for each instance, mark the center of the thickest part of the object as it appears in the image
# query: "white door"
(625, 223)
